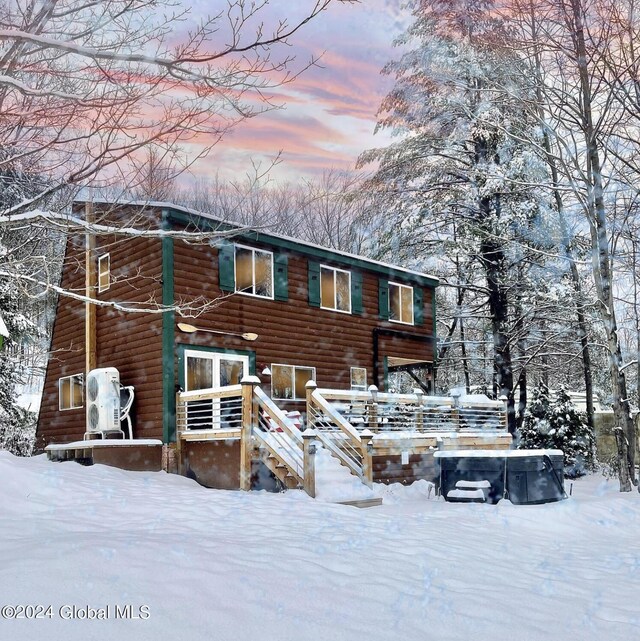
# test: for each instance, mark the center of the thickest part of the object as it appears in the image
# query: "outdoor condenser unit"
(103, 400)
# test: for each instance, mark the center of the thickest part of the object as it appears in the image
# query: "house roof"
(185, 214)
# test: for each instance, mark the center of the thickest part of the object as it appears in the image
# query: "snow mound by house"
(236, 566)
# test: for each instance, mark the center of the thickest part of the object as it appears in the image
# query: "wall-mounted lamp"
(266, 372)
(190, 329)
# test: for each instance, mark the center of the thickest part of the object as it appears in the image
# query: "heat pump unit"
(103, 400)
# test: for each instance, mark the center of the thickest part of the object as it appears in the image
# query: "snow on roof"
(304, 243)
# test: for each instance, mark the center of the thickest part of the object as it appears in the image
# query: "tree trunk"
(601, 259)
(492, 255)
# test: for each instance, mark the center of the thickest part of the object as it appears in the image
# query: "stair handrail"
(355, 450)
(281, 437)
(278, 416)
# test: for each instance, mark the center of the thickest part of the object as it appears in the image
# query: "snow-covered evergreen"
(553, 421)
(17, 425)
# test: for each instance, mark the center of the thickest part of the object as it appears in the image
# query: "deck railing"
(384, 412)
(344, 422)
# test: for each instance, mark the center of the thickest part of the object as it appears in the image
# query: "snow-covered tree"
(17, 425)
(457, 179)
(552, 421)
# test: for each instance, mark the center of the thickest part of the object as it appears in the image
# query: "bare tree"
(84, 85)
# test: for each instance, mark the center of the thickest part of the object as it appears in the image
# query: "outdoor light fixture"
(266, 372)
(190, 329)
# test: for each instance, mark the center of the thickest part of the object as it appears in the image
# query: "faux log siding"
(130, 342)
(66, 355)
(293, 332)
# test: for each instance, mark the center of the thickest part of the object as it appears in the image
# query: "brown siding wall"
(130, 342)
(293, 332)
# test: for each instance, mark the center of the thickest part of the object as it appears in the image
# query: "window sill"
(339, 311)
(260, 296)
(398, 322)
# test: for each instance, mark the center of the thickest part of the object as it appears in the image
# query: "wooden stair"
(277, 468)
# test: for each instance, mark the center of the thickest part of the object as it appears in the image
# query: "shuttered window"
(256, 272)
(400, 303)
(335, 289)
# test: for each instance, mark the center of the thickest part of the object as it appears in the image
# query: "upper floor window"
(70, 392)
(288, 381)
(401, 303)
(104, 272)
(335, 289)
(253, 271)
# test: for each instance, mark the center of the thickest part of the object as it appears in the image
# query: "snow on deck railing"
(387, 412)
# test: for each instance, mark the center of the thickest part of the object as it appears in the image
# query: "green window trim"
(227, 267)
(281, 277)
(314, 283)
(356, 293)
(383, 298)
(168, 338)
(418, 306)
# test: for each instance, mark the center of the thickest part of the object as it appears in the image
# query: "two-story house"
(345, 321)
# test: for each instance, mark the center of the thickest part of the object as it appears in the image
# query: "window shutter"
(418, 306)
(314, 284)
(356, 293)
(281, 277)
(383, 298)
(226, 267)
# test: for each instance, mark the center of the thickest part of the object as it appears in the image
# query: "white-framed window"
(254, 271)
(70, 392)
(104, 272)
(400, 303)
(335, 289)
(288, 381)
(359, 378)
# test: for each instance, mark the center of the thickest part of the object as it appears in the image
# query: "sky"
(329, 112)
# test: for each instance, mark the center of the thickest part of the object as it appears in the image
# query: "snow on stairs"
(336, 484)
(469, 492)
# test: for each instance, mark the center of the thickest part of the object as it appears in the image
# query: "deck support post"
(420, 411)
(249, 418)
(372, 408)
(181, 421)
(366, 437)
(310, 388)
(455, 410)
(309, 461)
(505, 402)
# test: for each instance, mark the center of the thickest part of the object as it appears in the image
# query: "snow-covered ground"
(232, 566)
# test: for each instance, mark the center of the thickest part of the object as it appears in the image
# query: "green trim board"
(312, 251)
(168, 329)
(183, 347)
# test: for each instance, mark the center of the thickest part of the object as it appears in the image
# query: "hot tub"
(525, 477)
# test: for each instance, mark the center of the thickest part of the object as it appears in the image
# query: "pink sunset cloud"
(329, 111)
